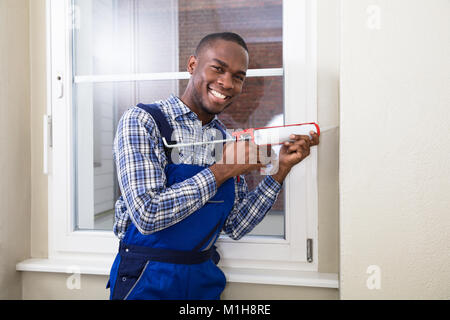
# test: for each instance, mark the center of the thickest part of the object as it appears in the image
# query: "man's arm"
(250, 206)
(140, 169)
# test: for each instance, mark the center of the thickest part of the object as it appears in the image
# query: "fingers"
(314, 138)
(297, 137)
(297, 149)
(301, 143)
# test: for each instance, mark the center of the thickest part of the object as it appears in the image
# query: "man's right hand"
(237, 158)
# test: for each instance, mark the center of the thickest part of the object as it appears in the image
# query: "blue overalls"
(178, 262)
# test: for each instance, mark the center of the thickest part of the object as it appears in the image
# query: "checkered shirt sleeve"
(250, 207)
(149, 203)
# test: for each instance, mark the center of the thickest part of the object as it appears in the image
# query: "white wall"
(15, 161)
(395, 147)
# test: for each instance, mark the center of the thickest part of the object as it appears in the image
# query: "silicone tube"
(277, 135)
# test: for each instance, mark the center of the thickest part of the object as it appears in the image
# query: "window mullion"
(269, 72)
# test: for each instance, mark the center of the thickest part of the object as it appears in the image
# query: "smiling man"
(170, 214)
(218, 72)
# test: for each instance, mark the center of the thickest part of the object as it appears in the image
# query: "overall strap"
(161, 122)
(224, 134)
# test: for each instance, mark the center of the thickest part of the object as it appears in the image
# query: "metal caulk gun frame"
(244, 135)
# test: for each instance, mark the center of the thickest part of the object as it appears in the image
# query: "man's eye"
(217, 68)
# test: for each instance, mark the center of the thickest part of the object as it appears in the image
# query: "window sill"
(240, 275)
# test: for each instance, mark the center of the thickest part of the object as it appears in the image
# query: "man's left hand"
(293, 152)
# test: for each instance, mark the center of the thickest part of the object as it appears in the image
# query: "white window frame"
(260, 252)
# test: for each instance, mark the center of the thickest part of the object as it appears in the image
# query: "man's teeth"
(217, 94)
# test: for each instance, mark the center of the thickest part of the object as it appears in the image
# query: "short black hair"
(227, 36)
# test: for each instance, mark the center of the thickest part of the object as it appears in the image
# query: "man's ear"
(192, 64)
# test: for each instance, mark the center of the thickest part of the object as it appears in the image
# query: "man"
(170, 214)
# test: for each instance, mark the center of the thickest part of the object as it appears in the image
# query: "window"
(108, 55)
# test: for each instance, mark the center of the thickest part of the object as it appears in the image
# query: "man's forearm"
(251, 207)
(281, 175)
(221, 172)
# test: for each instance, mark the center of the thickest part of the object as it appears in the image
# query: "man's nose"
(226, 81)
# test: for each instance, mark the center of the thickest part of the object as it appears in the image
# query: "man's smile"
(218, 95)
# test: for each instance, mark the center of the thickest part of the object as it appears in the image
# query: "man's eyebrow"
(225, 65)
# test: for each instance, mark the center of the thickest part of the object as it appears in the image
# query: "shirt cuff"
(206, 183)
(270, 187)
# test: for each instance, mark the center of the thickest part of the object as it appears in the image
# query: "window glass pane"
(97, 109)
(142, 36)
(258, 22)
(126, 36)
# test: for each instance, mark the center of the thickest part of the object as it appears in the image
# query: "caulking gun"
(260, 136)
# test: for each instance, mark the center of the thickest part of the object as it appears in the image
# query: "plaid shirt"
(140, 160)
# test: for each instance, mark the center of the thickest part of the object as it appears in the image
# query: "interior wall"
(15, 163)
(394, 168)
(39, 186)
(49, 286)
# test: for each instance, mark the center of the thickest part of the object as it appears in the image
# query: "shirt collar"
(179, 109)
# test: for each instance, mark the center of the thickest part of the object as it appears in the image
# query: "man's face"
(218, 74)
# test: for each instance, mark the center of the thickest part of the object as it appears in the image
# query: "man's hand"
(243, 157)
(237, 158)
(293, 152)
